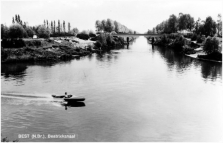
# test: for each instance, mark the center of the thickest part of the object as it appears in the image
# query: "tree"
(64, 26)
(117, 27)
(58, 28)
(69, 27)
(209, 26)
(17, 31)
(110, 25)
(98, 25)
(74, 31)
(197, 25)
(29, 31)
(4, 32)
(185, 22)
(190, 22)
(52, 31)
(211, 45)
(16, 18)
(43, 32)
(219, 27)
(47, 24)
(103, 25)
(54, 27)
(19, 20)
(13, 21)
(172, 24)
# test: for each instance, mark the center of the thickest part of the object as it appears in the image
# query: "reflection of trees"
(13, 70)
(174, 59)
(107, 58)
(18, 70)
(211, 70)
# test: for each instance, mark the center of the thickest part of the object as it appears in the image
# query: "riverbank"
(193, 49)
(52, 49)
(55, 49)
(199, 57)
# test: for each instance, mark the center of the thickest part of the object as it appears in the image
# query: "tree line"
(20, 29)
(112, 25)
(207, 27)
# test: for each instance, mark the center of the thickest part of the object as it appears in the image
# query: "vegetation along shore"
(52, 42)
(201, 39)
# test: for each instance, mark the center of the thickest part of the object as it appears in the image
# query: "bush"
(194, 37)
(199, 39)
(165, 39)
(211, 45)
(83, 35)
(33, 43)
(179, 43)
(43, 32)
(93, 39)
(12, 43)
(92, 34)
(97, 44)
(17, 31)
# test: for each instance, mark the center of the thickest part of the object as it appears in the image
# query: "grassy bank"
(56, 49)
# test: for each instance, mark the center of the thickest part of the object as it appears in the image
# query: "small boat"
(61, 96)
(74, 99)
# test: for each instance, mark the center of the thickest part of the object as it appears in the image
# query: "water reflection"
(179, 62)
(211, 70)
(73, 104)
(16, 71)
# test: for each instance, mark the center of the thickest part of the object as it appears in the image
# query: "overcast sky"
(139, 15)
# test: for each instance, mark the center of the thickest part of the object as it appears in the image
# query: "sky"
(138, 15)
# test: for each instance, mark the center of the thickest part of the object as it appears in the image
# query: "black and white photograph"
(111, 71)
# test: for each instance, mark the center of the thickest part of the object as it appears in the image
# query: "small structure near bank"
(34, 36)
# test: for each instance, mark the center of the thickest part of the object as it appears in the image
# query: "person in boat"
(66, 95)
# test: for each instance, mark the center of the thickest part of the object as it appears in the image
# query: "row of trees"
(186, 22)
(20, 29)
(110, 25)
(60, 28)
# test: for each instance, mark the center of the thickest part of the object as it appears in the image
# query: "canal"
(139, 93)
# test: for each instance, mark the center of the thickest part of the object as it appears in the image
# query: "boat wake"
(27, 99)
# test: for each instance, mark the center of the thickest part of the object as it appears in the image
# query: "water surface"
(140, 93)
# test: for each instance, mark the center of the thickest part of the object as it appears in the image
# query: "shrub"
(83, 35)
(194, 37)
(17, 31)
(12, 43)
(179, 43)
(199, 39)
(93, 39)
(211, 45)
(97, 44)
(92, 34)
(43, 32)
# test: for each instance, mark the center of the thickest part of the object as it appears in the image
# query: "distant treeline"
(207, 27)
(20, 29)
(110, 25)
